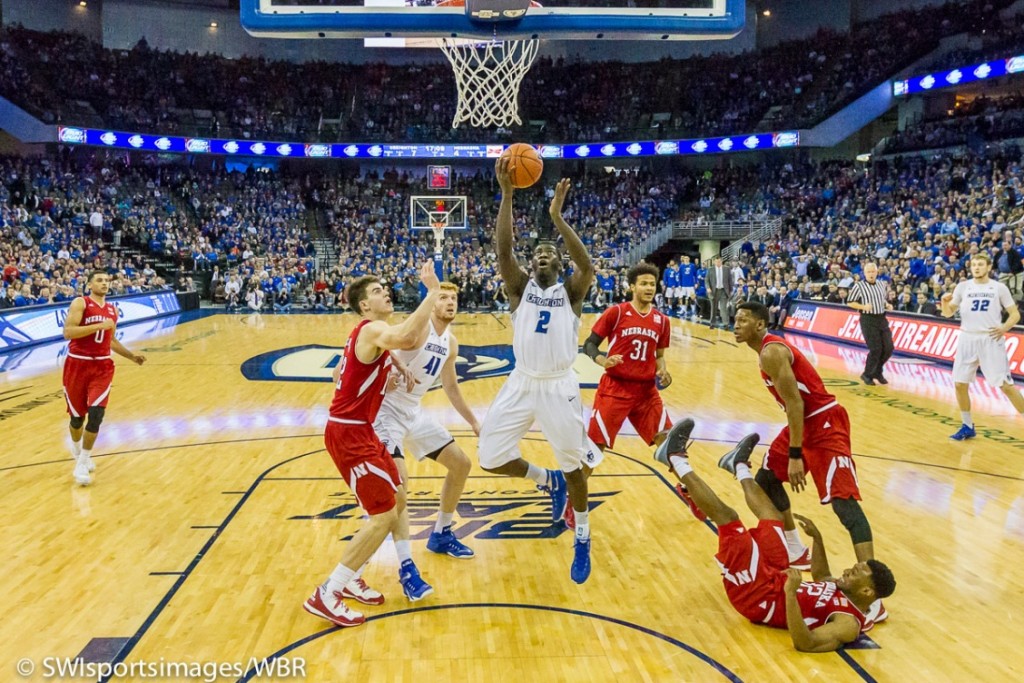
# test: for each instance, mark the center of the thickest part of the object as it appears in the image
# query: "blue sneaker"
(444, 543)
(413, 585)
(559, 493)
(964, 433)
(580, 570)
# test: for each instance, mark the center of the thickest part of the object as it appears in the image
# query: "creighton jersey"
(981, 305)
(545, 330)
(425, 363)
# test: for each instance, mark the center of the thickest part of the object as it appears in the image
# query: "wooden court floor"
(215, 511)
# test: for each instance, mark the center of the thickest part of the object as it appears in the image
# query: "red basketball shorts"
(617, 400)
(752, 561)
(87, 384)
(364, 464)
(827, 455)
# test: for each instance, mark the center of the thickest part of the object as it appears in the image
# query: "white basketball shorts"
(688, 292)
(974, 350)
(555, 404)
(411, 430)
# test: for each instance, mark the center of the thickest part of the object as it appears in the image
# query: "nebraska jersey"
(545, 330)
(95, 345)
(360, 388)
(636, 337)
(812, 389)
(819, 601)
(425, 364)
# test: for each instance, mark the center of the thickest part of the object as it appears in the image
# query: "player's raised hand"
(504, 175)
(428, 277)
(612, 361)
(561, 190)
(809, 527)
(947, 298)
(793, 580)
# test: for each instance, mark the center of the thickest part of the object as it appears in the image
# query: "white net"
(488, 76)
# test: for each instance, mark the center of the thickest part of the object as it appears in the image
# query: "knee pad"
(77, 422)
(849, 512)
(95, 419)
(773, 488)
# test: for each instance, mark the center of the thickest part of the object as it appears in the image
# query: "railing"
(721, 229)
(768, 228)
(638, 250)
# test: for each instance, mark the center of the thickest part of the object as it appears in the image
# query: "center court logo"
(486, 513)
(315, 363)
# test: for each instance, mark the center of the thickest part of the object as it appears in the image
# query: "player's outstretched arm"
(820, 571)
(450, 384)
(777, 361)
(408, 334)
(583, 276)
(73, 327)
(949, 304)
(840, 629)
(514, 276)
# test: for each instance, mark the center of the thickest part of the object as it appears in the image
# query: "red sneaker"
(332, 607)
(876, 614)
(685, 495)
(360, 592)
(803, 563)
(569, 518)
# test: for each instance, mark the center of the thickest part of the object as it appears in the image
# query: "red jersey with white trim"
(95, 345)
(819, 601)
(636, 338)
(360, 388)
(808, 381)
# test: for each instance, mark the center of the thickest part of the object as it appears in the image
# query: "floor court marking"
(720, 668)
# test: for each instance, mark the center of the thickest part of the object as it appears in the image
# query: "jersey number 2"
(543, 322)
(979, 305)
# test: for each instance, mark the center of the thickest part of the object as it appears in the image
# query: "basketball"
(524, 164)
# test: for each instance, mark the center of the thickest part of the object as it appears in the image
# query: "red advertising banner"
(912, 335)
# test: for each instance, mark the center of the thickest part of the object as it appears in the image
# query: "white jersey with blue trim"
(425, 363)
(981, 304)
(545, 330)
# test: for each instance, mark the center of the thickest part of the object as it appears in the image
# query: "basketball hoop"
(438, 229)
(488, 75)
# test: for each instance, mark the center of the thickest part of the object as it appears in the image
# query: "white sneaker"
(360, 592)
(90, 465)
(877, 612)
(81, 473)
(332, 607)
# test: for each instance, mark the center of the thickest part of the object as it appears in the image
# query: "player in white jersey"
(404, 428)
(543, 386)
(982, 342)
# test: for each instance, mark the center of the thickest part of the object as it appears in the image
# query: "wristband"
(796, 453)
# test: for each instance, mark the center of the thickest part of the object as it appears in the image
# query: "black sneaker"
(739, 454)
(676, 443)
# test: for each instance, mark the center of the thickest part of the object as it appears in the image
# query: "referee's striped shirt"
(871, 294)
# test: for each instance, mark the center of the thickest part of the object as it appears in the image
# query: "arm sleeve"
(854, 297)
(666, 333)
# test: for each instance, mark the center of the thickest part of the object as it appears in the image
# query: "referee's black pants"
(878, 337)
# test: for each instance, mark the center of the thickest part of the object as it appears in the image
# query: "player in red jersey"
(89, 369)
(363, 461)
(821, 615)
(816, 438)
(634, 365)
(634, 368)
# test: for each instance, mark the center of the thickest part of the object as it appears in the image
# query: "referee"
(869, 297)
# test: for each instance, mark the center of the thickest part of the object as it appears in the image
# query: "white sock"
(743, 471)
(681, 465)
(537, 474)
(444, 519)
(404, 550)
(582, 525)
(965, 417)
(76, 448)
(359, 573)
(795, 546)
(339, 579)
(85, 455)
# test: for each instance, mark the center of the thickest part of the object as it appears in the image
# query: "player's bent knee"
(77, 422)
(852, 516)
(454, 459)
(385, 519)
(96, 414)
(773, 488)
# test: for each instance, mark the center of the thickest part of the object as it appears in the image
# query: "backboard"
(556, 20)
(428, 212)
